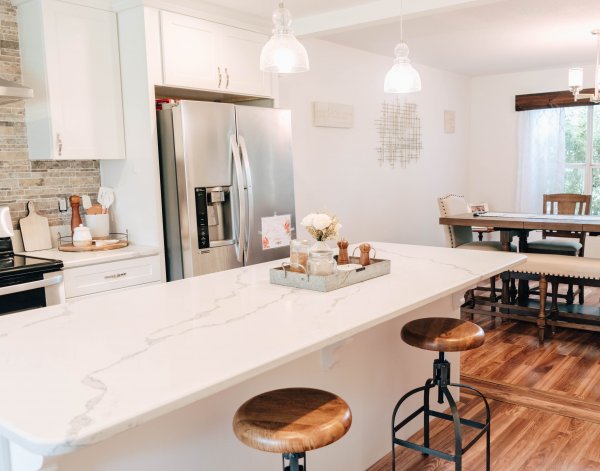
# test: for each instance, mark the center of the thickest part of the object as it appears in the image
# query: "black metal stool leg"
(428, 385)
(457, 431)
(426, 410)
(294, 461)
(487, 424)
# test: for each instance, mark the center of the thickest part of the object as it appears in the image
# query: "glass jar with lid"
(299, 256)
(321, 263)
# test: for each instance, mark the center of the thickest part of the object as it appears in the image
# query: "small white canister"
(82, 236)
(99, 225)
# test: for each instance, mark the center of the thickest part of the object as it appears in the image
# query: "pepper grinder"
(365, 252)
(343, 252)
(75, 217)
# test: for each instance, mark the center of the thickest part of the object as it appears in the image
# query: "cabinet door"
(240, 55)
(84, 82)
(189, 52)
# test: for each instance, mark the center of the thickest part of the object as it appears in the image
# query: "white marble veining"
(82, 259)
(78, 373)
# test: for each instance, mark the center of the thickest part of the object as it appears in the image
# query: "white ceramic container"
(99, 225)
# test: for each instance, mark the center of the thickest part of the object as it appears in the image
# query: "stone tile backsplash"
(23, 180)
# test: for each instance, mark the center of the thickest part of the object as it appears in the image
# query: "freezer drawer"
(92, 279)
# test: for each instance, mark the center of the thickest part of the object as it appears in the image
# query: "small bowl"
(82, 243)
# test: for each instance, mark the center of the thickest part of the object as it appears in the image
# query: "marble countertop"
(81, 259)
(77, 373)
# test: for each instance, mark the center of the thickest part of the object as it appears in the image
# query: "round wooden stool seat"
(292, 420)
(442, 334)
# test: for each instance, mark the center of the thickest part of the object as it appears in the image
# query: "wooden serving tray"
(93, 247)
(283, 276)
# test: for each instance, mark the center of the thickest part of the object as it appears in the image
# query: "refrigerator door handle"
(248, 174)
(237, 161)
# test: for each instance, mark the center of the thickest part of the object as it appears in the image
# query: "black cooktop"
(12, 265)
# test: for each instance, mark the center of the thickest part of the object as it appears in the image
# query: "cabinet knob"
(227, 80)
(220, 76)
(59, 144)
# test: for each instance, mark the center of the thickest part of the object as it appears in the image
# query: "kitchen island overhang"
(84, 371)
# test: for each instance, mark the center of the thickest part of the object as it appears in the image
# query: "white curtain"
(541, 152)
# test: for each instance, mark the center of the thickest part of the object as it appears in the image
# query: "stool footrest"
(467, 422)
(425, 450)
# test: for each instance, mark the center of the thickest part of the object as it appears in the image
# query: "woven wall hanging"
(399, 130)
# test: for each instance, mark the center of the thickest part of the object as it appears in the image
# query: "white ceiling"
(471, 37)
(489, 38)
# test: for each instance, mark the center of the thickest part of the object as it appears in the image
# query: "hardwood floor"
(545, 403)
(568, 365)
(522, 439)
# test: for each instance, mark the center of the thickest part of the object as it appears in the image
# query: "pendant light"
(576, 77)
(402, 77)
(283, 53)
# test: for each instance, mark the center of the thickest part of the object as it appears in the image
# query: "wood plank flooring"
(545, 403)
(522, 439)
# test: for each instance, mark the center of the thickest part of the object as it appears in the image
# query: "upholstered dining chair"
(462, 236)
(567, 204)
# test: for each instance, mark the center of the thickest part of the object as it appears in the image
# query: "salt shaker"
(365, 253)
(343, 252)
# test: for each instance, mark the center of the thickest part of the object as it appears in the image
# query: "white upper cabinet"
(70, 57)
(210, 56)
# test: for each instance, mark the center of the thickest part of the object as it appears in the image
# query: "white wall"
(493, 150)
(337, 169)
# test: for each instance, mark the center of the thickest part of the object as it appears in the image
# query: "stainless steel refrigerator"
(224, 168)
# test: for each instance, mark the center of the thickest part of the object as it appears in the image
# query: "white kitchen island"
(149, 379)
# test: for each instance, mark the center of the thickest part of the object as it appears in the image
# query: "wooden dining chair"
(565, 204)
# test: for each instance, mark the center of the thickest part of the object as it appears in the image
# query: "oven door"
(31, 291)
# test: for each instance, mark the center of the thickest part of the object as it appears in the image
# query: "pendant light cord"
(401, 20)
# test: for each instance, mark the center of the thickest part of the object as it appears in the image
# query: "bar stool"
(442, 335)
(291, 422)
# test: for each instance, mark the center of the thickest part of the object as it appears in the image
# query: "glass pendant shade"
(576, 78)
(283, 53)
(402, 77)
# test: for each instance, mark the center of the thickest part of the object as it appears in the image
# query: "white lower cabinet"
(92, 279)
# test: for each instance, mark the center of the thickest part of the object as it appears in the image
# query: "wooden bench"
(547, 270)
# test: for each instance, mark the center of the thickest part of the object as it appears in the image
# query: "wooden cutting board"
(35, 231)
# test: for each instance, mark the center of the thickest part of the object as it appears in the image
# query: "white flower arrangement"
(321, 226)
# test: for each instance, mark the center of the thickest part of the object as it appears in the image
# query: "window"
(582, 152)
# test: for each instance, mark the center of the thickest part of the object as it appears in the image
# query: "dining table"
(511, 224)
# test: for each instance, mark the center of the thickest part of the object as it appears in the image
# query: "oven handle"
(55, 280)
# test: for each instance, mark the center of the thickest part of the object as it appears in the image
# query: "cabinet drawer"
(108, 276)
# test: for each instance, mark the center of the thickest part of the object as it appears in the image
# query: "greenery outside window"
(582, 149)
